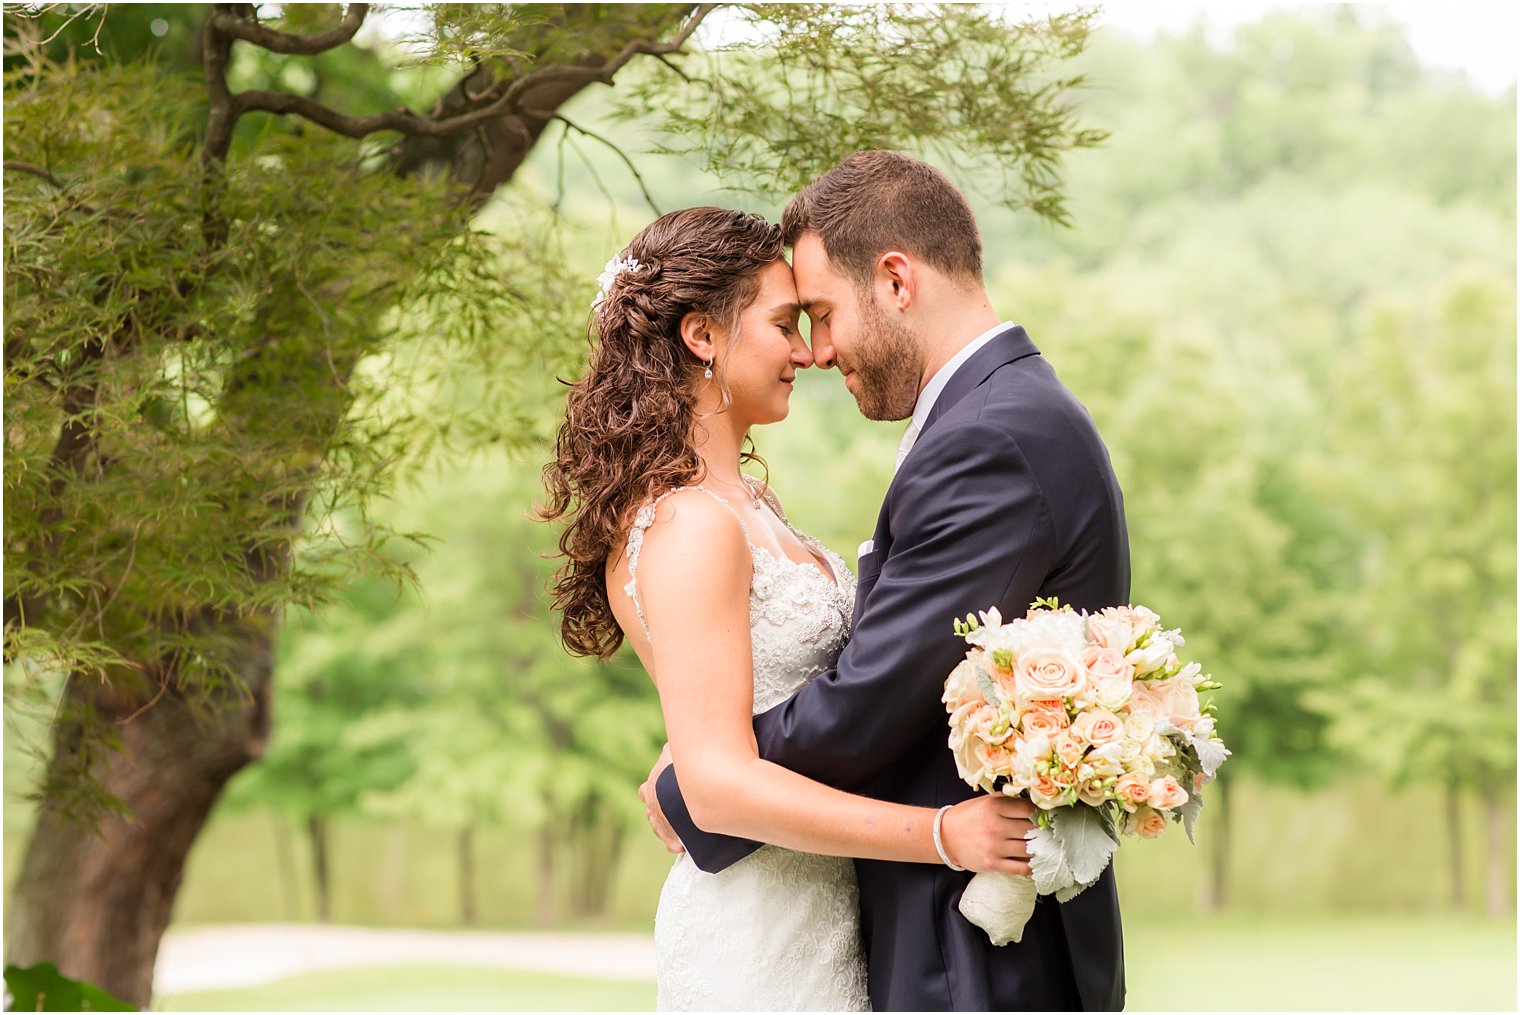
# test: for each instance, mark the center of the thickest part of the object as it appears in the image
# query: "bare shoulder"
(694, 535)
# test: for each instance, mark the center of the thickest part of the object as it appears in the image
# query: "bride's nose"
(802, 356)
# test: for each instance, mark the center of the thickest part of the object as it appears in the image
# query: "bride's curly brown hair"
(627, 432)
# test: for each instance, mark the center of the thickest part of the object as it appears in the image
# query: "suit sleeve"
(970, 529)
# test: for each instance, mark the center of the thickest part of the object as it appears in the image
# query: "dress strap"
(765, 493)
(641, 522)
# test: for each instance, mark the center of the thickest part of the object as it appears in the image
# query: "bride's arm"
(694, 578)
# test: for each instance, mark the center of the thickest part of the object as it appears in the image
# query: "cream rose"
(1109, 676)
(961, 687)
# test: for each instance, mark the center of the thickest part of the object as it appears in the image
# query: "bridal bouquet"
(1097, 720)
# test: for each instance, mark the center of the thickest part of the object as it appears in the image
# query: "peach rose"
(1043, 721)
(1092, 792)
(1174, 699)
(1149, 824)
(1111, 633)
(1068, 749)
(1045, 791)
(1098, 727)
(1167, 794)
(1045, 673)
(1133, 791)
(987, 723)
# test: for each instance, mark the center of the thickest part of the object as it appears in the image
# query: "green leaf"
(43, 988)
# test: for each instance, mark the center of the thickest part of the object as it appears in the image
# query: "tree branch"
(248, 30)
(605, 72)
(639, 177)
(27, 167)
(506, 103)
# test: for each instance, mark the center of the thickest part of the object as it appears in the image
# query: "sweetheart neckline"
(784, 559)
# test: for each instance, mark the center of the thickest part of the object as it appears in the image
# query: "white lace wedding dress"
(779, 930)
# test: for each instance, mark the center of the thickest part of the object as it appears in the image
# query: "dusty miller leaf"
(1189, 812)
(1048, 862)
(1087, 843)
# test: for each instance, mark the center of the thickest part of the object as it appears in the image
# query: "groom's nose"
(823, 349)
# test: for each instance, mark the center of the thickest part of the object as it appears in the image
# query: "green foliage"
(214, 368)
(43, 988)
(805, 85)
(1244, 309)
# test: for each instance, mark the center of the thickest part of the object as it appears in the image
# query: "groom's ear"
(697, 335)
(896, 280)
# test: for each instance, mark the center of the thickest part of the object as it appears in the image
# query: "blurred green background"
(1288, 301)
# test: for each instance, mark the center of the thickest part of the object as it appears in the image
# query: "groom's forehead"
(817, 282)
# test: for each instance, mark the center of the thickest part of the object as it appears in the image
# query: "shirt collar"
(936, 385)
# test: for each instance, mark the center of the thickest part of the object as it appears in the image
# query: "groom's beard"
(889, 364)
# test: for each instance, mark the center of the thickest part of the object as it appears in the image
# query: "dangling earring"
(708, 372)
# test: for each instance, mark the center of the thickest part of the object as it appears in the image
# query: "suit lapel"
(1012, 343)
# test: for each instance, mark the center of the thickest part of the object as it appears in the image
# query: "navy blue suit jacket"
(1007, 496)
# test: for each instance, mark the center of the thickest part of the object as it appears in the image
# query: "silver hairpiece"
(614, 268)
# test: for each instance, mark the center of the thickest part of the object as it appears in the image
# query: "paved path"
(246, 955)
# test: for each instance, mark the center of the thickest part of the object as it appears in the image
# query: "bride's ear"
(697, 334)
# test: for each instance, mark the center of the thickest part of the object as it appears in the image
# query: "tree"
(203, 276)
(501, 726)
(1428, 418)
(338, 670)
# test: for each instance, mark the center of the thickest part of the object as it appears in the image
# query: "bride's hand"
(989, 833)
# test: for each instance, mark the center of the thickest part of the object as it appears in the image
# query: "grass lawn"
(1391, 962)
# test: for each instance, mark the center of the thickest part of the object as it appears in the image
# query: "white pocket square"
(869, 546)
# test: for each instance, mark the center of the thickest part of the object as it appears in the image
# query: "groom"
(1003, 494)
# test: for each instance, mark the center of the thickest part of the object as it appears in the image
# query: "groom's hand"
(652, 811)
(990, 833)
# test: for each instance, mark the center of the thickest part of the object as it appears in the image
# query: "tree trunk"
(602, 843)
(1454, 836)
(98, 904)
(547, 909)
(1215, 896)
(316, 832)
(286, 862)
(1497, 851)
(466, 876)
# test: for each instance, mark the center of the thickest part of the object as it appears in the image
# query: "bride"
(731, 609)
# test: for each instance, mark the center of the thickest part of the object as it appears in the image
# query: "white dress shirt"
(936, 385)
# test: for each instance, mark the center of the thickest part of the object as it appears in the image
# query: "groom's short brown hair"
(877, 201)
